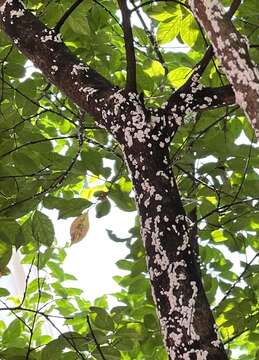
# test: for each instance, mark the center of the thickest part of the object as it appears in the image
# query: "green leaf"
(167, 31)
(15, 353)
(103, 208)
(115, 238)
(4, 292)
(74, 340)
(42, 229)
(15, 70)
(141, 35)
(67, 207)
(79, 24)
(189, 31)
(155, 69)
(13, 331)
(125, 344)
(109, 353)
(103, 320)
(121, 198)
(5, 255)
(124, 264)
(151, 322)
(178, 76)
(139, 286)
(52, 350)
(10, 232)
(160, 12)
(92, 160)
(24, 162)
(26, 229)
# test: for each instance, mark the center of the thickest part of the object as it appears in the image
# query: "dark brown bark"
(131, 82)
(186, 320)
(185, 317)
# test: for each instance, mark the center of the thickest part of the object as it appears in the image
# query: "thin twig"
(244, 173)
(152, 2)
(27, 282)
(66, 15)
(237, 281)
(35, 102)
(34, 142)
(69, 341)
(229, 340)
(40, 287)
(108, 11)
(57, 181)
(20, 308)
(98, 347)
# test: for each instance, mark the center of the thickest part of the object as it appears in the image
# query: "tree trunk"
(185, 317)
(186, 320)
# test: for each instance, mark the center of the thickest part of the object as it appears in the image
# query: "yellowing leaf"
(79, 228)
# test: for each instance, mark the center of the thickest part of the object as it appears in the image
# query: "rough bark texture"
(231, 48)
(186, 320)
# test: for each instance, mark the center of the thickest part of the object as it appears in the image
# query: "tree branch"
(233, 8)
(131, 82)
(208, 98)
(199, 99)
(83, 85)
(231, 49)
(108, 12)
(204, 62)
(200, 67)
(192, 81)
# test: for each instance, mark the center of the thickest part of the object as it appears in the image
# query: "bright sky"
(93, 259)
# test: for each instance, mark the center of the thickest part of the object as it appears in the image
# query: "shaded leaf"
(42, 229)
